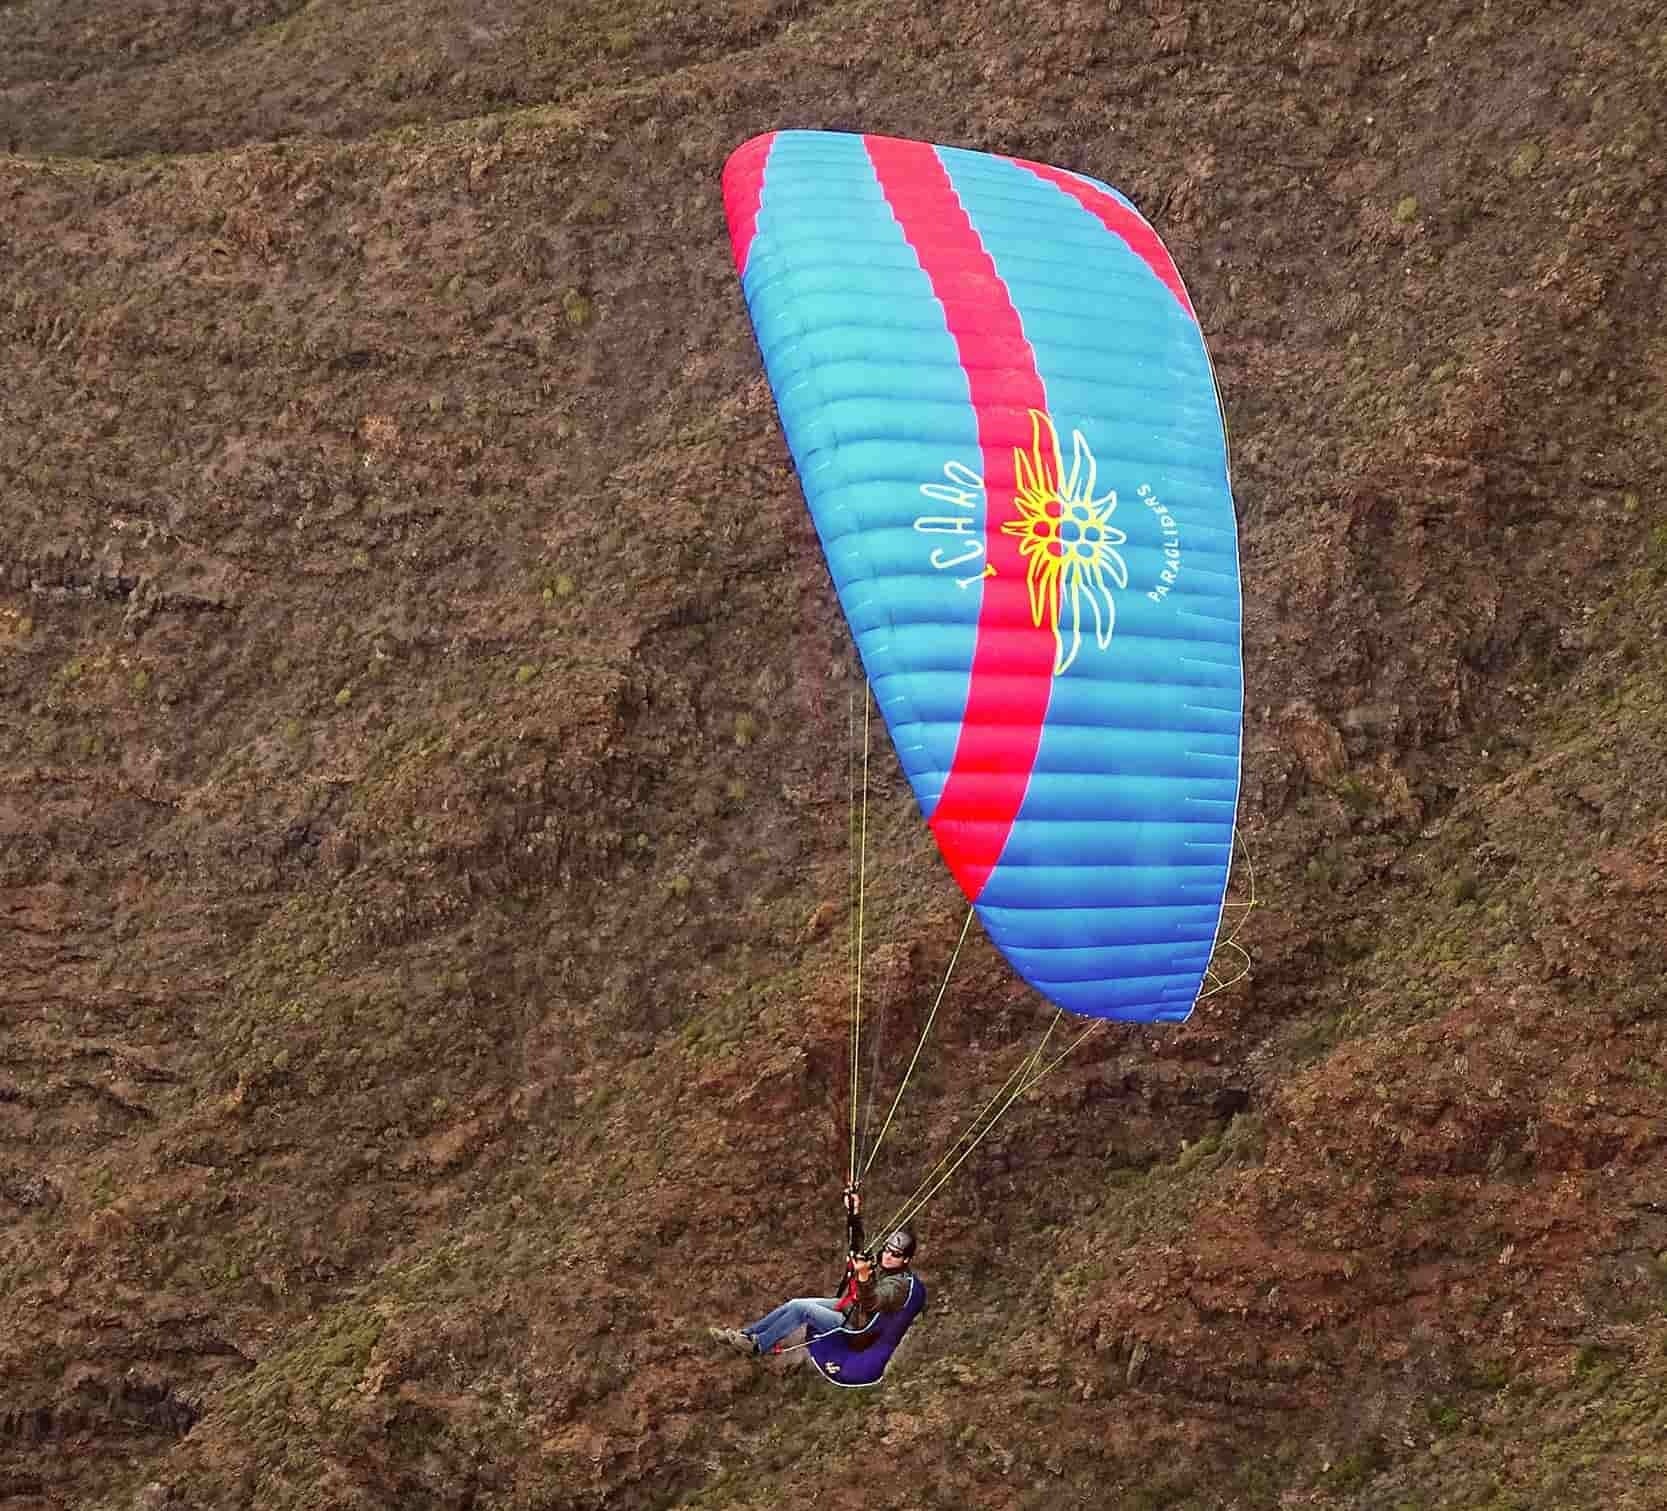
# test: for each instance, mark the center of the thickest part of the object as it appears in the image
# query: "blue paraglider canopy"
(1002, 411)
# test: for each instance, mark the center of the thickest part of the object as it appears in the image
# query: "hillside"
(425, 731)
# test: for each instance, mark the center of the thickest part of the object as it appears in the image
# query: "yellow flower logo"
(1067, 539)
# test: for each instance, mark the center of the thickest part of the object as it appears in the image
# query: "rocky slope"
(424, 781)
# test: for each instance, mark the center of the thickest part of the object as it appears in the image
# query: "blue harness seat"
(858, 1356)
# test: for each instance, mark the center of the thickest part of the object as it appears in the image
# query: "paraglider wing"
(1004, 420)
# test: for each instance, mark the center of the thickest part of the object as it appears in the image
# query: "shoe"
(733, 1337)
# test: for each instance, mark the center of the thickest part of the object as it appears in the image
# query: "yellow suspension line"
(1087, 1033)
(1219, 983)
(913, 1207)
(852, 908)
(1013, 1086)
(931, 1017)
(933, 1182)
(856, 972)
(930, 1187)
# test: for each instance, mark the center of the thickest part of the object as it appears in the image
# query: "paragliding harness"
(854, 1357)
(859, 1356)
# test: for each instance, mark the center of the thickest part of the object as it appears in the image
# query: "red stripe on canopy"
(1013, 658)
(744, 193)
(1121, 221)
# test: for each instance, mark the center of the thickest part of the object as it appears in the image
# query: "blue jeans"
(817, 1313)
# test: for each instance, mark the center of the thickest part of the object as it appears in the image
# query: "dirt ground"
(424, 779)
